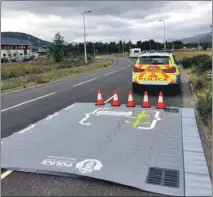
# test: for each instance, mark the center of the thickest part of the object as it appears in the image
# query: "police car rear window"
(154, 60)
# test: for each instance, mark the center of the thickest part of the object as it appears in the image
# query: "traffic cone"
(100, 100)
(160, 104)
(115, 101)
(146, 102)
(131, 102)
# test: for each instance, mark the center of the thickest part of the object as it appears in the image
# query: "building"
(12, 47)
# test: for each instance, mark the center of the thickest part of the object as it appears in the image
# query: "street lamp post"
(164, 33)
(85, 49)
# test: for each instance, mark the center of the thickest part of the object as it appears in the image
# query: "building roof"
(14, 41)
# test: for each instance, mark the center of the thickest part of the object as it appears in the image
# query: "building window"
(14, 55)
(4, 55)
(21, 53)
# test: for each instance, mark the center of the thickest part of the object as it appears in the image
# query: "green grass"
(183, 54)
(17, 69)
(55, 74)
(202, 84)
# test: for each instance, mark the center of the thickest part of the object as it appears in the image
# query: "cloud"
(109, 20)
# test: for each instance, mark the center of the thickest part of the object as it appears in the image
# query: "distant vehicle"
(14, 59)
(134, 52)
(156, 69)
(20, 59)
(4, 59)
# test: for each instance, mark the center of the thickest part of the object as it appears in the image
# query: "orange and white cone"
(146, 102)
(115, 101)
(100, 100)
(160, 104)
(130, 102)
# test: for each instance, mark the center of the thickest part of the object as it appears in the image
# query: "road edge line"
(65, 78)
(5, 174)
(14, 106)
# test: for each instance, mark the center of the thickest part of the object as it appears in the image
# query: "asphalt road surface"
(24, 107)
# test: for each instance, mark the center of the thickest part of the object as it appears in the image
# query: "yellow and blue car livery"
(156, 69)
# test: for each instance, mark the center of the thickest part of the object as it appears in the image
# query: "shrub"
(204, 105)
(205, 65)
(41, 80)
(202, 62)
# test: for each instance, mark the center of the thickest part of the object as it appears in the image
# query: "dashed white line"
(109, 99)
(69, 106)
(27, 129)
(123, 68)
(49, 117)
(110, 73)
(84, 82)
(5, 174)
(28, 101)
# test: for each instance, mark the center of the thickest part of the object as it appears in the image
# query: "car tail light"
(135, 69)
(170, 70)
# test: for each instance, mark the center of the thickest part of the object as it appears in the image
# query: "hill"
(18, 35)
(206, 37)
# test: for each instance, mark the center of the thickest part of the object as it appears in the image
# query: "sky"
(109, 20)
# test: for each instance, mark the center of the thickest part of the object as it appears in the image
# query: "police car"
(154, 69)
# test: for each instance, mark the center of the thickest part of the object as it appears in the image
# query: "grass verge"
(54, 75)
(183, 54)
(200, 77)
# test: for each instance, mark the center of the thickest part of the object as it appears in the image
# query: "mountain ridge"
(204, 37)
(24, 36)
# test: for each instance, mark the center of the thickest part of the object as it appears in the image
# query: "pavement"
(21, 108)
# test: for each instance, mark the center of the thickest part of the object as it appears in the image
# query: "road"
(24, 107)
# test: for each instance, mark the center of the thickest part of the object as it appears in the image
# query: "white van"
(134, 52)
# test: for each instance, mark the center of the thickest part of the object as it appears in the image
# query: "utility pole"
(94, 49)
(123, 47)
(85, 47)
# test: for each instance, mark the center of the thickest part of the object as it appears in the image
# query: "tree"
(57, 50)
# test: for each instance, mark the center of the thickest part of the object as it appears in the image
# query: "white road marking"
(123, 68)
(35, 86)
(28, 101)
(65, 78)
(5, 174)
(110, 73)
(84, 82)
(8, 172)
(109, 99)
(27, 129)
(49, 117)
(69, 106)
